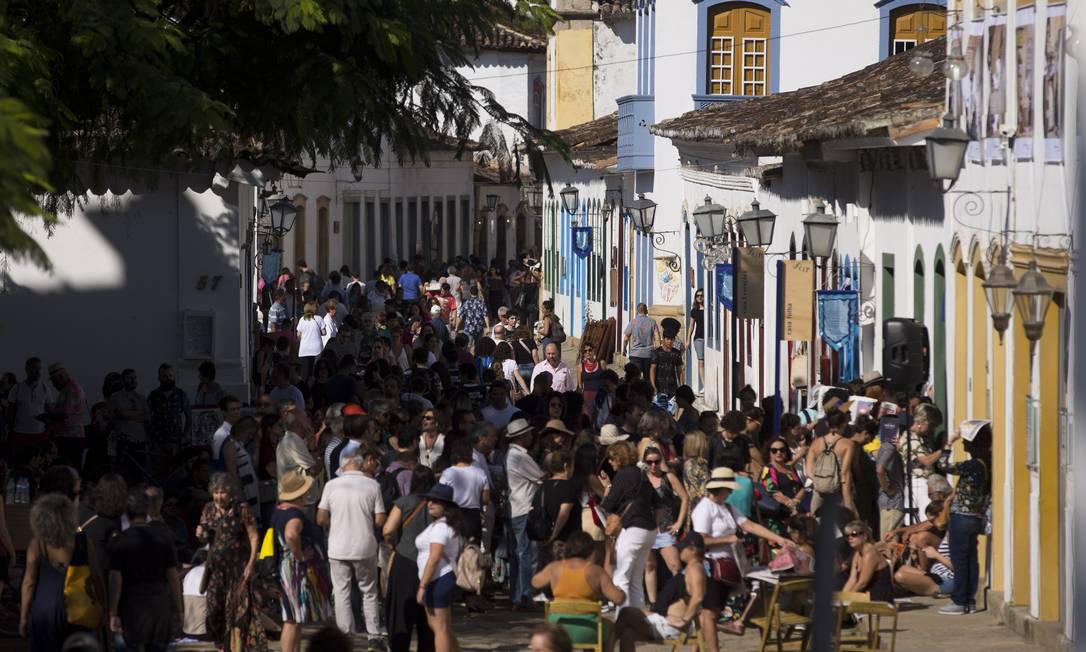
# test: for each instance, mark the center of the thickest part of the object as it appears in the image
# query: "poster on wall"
(973, 88)
(723, 277)
(797, 314)
(1055, 41)
(668, 280)
(750, 283)
(997, 87)
(1023, 43)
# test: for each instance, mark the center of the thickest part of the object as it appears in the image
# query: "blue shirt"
(410, 283)
(743, 497)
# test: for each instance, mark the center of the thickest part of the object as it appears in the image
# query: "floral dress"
(305, 587)
(788, 483)
(231, 612)
(695, 475)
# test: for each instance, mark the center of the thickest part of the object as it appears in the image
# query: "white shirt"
(499, 418)
(509, 370)
(331, 329)
(310, 341)
(712, 520)
(218, 439)
(427, 456)
(288, 393)
(352, 500)
(479, 461)
(29, 401)
(468, 484)
(454, 284)
(524, 477)
(438, 532)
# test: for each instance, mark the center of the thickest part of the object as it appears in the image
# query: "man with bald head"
(561, 379)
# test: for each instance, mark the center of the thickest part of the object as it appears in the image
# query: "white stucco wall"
(517, 80)
(126, 263)
(614, 60)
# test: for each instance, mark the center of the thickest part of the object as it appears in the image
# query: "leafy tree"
(160, 83)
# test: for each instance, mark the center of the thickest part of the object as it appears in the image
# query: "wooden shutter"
(740, 49)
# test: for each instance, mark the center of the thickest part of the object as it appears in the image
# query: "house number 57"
(202, 283)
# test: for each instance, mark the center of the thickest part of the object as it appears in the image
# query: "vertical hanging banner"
(1055, 42)
(270, 264)
(838, 317)
(582, 240)
(797, 300)
(1023, 42)
(973, 88)
(997, 87)
(750, 283)
(724, 278)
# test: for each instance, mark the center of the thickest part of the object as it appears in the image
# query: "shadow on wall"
(126, 264)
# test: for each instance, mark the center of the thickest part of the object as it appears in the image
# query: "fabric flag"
(724, 284)
(838, 316)
(270, 264)
(582, 240)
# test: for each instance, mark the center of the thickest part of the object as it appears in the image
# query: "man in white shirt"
(454, 282)
(350, 508)
(499, 411)
(230, 407)
(293, 452)
(524, 478)
(26, 401)
(562, 380)
(484, 437)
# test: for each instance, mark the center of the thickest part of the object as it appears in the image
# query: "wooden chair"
(556, 609)
(679, 641)
(873, 614)
(782, 627)
(841, 601)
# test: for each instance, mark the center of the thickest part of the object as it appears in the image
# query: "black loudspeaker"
(906, 356)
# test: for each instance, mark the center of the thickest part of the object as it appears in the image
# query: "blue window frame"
(705, 10)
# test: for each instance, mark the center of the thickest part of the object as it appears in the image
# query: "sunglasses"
(854, 534)
(652, 462)
(777, 450)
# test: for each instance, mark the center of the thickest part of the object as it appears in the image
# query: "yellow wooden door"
(915, 24)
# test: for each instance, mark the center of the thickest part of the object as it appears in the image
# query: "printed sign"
(750, 284)
(797, 311)
(724, 281)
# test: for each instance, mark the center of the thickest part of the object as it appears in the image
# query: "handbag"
(82, 607)
(591, 523)
(725, 570)
(614, 521)
(768, 506)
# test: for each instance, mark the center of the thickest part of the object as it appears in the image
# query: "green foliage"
(146, 82)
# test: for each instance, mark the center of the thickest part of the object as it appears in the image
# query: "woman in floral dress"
(228, 526)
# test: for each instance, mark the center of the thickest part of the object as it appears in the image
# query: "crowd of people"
(417, 443)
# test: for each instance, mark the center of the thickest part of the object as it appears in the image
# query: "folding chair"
(841, 601)
(574, 612)
(874, 613)
(783, 618)
(684, 636)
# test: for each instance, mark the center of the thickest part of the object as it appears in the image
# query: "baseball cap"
(691, 538)
(353, 409)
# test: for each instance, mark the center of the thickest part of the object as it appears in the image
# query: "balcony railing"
(635, 143)
(702, 101)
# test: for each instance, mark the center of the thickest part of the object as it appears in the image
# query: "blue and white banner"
(838, 316)
(725, 276)
(582, 240)
(270, 264)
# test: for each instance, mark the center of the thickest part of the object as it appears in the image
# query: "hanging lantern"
(997, 289)
(709, 219)
(571, 199)
(491, 203)
(946, 147)
(282, 212)
(642, 213)
(821, 232)
(757, 225)
(1032, 297)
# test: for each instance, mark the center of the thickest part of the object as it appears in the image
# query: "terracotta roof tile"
(593, 144)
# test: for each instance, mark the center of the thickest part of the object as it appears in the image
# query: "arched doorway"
(938, 319)
(918, 285)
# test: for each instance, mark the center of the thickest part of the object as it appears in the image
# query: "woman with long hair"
(227, 526)
(407, 518)
(672, 508)
(781, 482)
(656, 429)
(311, 334)
(629, 497)
(503, 356)
(695, 329)
(589, 374)
(439, 548)
(695, 464)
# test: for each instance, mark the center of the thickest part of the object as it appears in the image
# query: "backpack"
(826, 473)
(390, 488)
(558, 332)
(471, 568)
(539, 527)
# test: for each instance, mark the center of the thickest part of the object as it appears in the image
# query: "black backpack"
(558, 332)
(390, 488)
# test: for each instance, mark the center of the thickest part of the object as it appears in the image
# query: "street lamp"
(642, 213)
(571, 199)
(534, 195)
(709, 219)
(491, 203)
(946, 147)
(821, 231)
(613, 197)
(757, 225)
(1032, 297)
(998, 290)
(282, 213)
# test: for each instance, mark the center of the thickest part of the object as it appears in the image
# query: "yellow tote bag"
(267, 548)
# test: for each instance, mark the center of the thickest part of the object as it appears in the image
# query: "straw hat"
(518, 428)
(294, 485)
(722, 478)
(559, 425)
